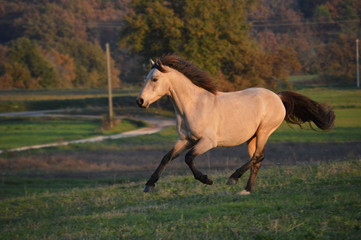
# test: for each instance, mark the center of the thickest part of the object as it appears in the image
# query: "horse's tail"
(301, 109)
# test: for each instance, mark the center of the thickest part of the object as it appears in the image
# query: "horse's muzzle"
(141, 103)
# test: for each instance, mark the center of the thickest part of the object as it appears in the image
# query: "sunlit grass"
(19, 132)
(318, 201)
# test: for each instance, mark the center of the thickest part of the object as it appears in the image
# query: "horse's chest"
(191, 131)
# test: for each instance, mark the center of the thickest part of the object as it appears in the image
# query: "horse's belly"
(241, 114)
(235, 136)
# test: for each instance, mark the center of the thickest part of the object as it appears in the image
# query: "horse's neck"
(186, 96)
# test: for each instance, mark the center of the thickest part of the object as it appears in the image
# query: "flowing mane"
(195, 74)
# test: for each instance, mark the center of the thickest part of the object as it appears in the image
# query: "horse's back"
(259, 101)
(243, 113)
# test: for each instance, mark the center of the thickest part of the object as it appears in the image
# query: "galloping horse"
(207, 118)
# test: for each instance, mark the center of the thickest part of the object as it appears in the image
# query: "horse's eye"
(154, 79)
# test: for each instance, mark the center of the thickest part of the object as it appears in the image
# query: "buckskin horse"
(208, 118)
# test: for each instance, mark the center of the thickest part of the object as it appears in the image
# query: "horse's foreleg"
(201, 147)
(179, 148)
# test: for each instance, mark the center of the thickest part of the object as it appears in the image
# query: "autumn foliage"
(48, 44)
(243, 43)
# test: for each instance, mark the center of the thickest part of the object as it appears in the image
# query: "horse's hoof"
(204, 179)
(244, 192)
(148, 188)
(232, 181)
(209, 181)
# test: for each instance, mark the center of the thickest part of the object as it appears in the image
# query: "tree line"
(243, 43)
(50, 44)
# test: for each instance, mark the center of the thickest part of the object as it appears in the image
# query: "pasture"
(309, 187)
(317, 201)
(27, 131)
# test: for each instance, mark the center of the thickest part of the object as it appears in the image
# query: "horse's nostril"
(140, 101)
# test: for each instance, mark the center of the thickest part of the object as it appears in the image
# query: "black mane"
(195, 74)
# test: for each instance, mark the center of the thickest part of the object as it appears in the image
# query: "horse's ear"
(158, 62)
(151, 62)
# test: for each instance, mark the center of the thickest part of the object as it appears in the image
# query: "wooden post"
(357, 65)
(110, 98)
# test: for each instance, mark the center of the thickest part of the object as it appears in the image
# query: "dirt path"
(156, 125)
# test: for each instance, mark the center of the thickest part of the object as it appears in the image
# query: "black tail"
(301, 109)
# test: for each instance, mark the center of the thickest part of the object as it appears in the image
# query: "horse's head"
(156, 85)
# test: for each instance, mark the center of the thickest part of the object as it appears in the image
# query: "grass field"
(346, 103)
(20, 131)
(347, 107)
(313, 201)
(43, 95)
(303, 202)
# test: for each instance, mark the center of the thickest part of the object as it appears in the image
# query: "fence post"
(110, 98)
(357, 65)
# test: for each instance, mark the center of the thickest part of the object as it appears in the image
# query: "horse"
(207, 118)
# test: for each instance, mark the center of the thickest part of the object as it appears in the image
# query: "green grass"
(87, 102)
(347, 107)
(20, 186)
(66, 94)
(303, 78)
(319, 201)
(161, 140)
(19, 132)
(346, 103)
(123, 126)
(337, 98)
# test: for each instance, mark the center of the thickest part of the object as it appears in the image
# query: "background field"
(28, 131)
(309, 187)
(346, 103)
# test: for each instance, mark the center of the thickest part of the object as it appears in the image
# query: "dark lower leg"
(252, 178)
(189, 159)
(240, 171)
(155, 176)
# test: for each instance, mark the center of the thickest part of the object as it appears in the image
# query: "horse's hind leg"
(252, 178)
(256, 146)
(254, 169)
(233, 179)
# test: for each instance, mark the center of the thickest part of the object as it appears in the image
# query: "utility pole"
(110, 98)
(357, 65)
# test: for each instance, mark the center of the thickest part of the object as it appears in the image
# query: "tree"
(337, 59)
(212, 34)
(51, 41)
(26, 56)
